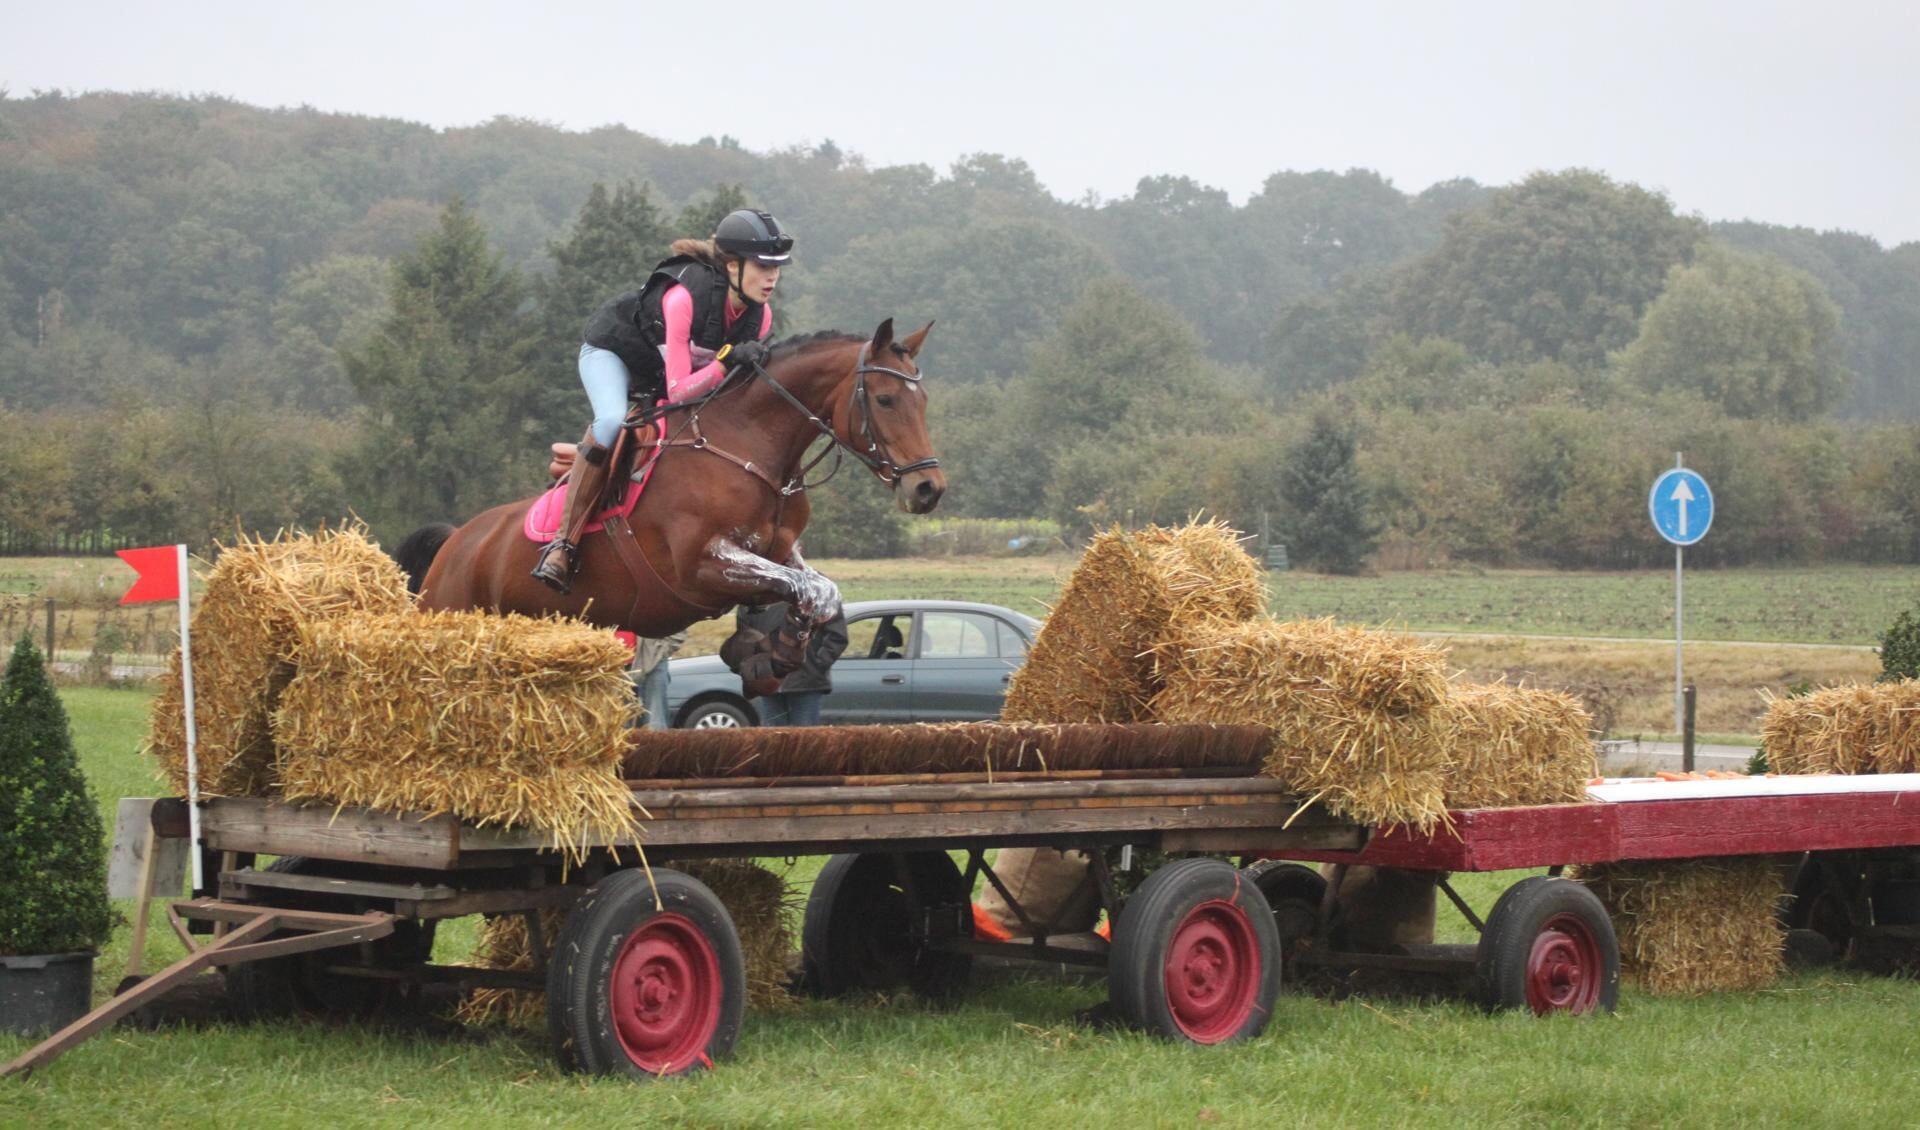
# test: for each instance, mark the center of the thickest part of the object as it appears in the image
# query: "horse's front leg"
(729, 567)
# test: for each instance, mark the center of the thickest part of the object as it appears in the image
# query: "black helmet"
(753, 234)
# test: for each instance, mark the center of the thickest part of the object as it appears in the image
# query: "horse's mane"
(804, 342)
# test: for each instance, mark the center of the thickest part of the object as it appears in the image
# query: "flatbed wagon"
(646, 977)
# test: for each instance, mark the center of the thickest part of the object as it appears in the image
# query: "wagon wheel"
(1196, 955)
(643, 987)
(279, 987)
(867, 922)
(1820, 908)
(1296, 893)
(1548, 946)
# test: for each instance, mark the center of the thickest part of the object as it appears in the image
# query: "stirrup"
(554, 574)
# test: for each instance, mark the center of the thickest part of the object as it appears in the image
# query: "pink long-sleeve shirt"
(692, 370)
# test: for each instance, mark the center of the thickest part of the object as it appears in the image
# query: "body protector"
(632, 327)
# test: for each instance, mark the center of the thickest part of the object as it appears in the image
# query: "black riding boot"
(586, 486)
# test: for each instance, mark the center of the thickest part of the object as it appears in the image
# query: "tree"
(446, 386)
(1745, 331)
(1329, 525)
(1559, 267)
(53, 857)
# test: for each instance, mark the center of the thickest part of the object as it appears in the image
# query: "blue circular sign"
(1681, 505)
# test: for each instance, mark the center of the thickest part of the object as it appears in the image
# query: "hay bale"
(1354, 712)
(1093, 660)
(1509, 746)
(1848, 729)
(244, 627)
(495, 719)
(1694, 926)
(759, 901)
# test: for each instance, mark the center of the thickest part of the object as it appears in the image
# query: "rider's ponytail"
(701, 249)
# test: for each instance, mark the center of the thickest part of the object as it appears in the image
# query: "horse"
(721, 516)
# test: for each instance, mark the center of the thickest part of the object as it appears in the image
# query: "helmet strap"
(738, 285)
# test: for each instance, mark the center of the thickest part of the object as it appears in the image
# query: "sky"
(1789, 113)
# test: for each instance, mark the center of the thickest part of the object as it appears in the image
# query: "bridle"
(874, 456)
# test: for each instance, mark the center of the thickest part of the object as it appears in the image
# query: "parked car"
(906, 661)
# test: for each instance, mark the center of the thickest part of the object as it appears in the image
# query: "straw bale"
(1694, 925)
(1093, 660)
(1354, 712)
(1511, 746)
(496, 719)
(244, 626)
(760, 902)
(1847, 729)
(963, 747)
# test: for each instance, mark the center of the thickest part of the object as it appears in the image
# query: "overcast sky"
(1791, 113)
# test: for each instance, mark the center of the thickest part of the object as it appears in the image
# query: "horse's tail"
(416, 551)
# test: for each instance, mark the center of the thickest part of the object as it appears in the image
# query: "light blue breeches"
(606, 378)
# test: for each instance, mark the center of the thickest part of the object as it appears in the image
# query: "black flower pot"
(41, 993)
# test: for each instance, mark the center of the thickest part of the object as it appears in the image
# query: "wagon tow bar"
(250, 939)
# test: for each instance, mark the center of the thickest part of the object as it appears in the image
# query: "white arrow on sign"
(1682, 494)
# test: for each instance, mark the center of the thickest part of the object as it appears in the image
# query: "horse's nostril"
(924, 490)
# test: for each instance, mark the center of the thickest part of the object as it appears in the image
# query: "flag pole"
(186, 687)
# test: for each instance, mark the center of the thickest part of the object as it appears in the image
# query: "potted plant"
(54, 913)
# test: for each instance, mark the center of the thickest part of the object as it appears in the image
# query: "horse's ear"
(911, 343)
(882, 337)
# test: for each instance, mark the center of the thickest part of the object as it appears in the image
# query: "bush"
(53, 853)
(1900, 649)
(855, 517)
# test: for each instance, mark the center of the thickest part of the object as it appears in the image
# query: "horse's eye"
(884, 401)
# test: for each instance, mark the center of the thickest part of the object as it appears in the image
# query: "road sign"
(1681, 505)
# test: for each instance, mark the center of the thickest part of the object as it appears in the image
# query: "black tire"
(716, 714)
(1296, 893)
(644, 988)
(1814, 907)
(1201, 916)
(1548, 947)
(859, 935)
(299, 983)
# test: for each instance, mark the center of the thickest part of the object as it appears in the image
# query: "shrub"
(1900, 649)
(854, 517)
(53, 855)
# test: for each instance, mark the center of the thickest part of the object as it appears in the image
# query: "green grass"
(1818, 1049)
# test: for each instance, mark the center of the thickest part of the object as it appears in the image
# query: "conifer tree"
(53, 854)
(1331, 526)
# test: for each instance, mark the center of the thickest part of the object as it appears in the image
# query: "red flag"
(159, 569)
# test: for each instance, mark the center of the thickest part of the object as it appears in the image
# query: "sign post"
(1682, 509)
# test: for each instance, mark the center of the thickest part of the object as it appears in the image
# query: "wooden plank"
(875, 780)
(354, 834)
(322, 884)
(671, 800)
(491, 902)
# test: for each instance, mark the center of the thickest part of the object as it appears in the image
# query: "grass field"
(1818, 1049)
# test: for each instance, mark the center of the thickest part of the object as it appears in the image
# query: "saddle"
(634, 458)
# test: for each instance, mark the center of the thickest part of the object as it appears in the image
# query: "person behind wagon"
(702, 312)
(801, 693)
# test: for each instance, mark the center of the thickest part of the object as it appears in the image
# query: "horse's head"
(887, 424)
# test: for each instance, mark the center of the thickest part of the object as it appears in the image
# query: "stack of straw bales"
(1353, 712)
(1512, 746)
(1095, 660)
(497, 719)
(1694, 925)
(1850, 729)
(760, 902)
(244, 628)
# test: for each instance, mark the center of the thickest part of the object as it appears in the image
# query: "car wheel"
(718, 714)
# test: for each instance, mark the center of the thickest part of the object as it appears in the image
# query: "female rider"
(664, 341)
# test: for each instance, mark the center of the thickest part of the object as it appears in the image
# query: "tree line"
(213, 315)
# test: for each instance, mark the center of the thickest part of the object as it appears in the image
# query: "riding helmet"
(751, 233)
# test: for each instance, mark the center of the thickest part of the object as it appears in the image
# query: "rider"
(665, 341)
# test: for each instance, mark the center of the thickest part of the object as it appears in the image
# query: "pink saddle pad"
(549, 511)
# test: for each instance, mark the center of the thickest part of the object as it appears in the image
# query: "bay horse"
(720, 519)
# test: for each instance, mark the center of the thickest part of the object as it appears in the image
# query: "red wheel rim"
(666, 994)
(1564, 967)
(1212, 972)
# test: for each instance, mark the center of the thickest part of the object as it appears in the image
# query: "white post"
(1679, 636)
(186, 688)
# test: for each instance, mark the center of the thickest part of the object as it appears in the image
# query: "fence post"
(1686, 736)
(49, 634)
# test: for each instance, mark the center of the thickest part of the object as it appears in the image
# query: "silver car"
(906, 661)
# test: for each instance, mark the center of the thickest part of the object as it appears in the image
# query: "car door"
(873, 680)
(959, 671)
